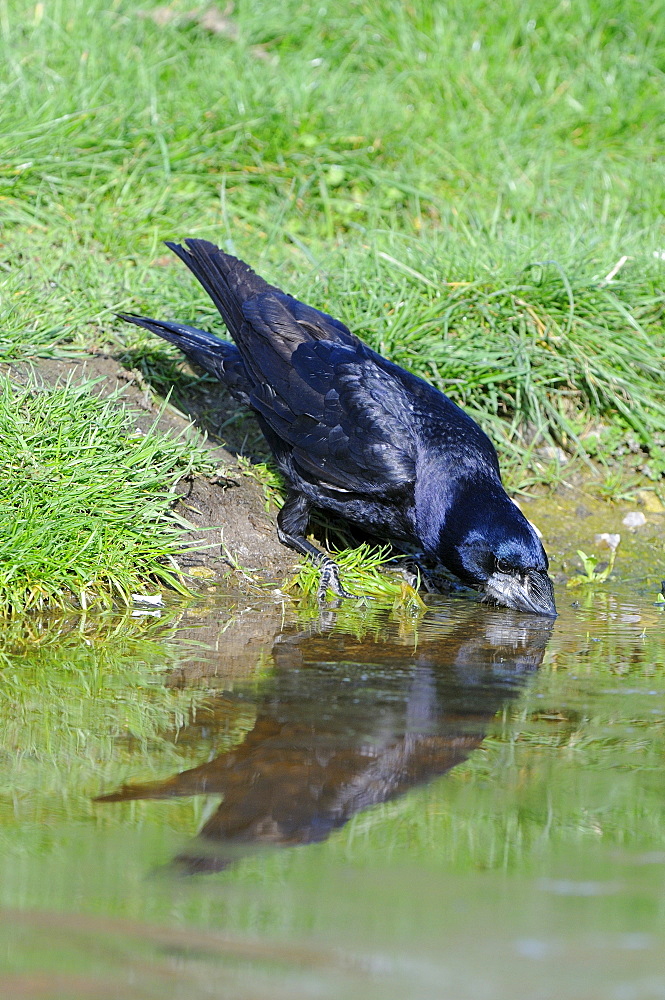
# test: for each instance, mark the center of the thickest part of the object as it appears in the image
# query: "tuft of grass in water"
(363, 573)
(85, 499)
(592, 576)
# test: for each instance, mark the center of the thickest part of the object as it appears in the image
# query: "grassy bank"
(458, 182)
(408, 167)
(85, 503)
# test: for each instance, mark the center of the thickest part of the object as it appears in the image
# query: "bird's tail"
(218, 357)
(228, 281)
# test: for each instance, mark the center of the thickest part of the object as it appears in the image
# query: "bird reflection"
(343, 723)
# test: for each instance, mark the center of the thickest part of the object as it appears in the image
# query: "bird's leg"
(292, 522)
(330, 580)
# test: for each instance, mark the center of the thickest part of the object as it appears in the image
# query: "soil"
(228, 513)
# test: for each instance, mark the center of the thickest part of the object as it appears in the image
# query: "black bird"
(357, 435)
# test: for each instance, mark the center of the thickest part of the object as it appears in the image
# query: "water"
(246, 802)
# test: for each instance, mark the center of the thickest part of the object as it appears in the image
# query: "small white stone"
(634, 519)
(155, 600)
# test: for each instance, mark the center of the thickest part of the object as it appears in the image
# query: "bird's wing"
(317, 387)
(320, 325)
(323, 392)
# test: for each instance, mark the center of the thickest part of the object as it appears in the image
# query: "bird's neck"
(446, 500)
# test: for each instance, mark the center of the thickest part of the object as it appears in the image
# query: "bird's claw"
(329, 580)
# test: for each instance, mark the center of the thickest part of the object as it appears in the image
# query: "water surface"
(249, 802)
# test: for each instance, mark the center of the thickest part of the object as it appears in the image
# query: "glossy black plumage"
(355, 434)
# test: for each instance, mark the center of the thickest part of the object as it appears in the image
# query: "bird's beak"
(529, 592)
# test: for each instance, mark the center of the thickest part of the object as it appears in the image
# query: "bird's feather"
(216, 356)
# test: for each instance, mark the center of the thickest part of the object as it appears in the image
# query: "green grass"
(85, 507)
(453, 180)
(403, 165)
(536, 354)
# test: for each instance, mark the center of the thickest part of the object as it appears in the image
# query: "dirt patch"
(231, 526)
(232, 523)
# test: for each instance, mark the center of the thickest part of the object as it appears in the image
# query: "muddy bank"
(228, 512)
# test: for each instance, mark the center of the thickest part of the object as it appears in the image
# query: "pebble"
(155, 600)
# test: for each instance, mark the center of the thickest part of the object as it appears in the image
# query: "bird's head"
(491, 546)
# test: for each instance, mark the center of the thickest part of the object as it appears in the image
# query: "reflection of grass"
(85, 499)
(366, 619)
(86, 704)
(30, 636)
(81, 695)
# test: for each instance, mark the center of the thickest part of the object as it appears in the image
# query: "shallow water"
(248, 802)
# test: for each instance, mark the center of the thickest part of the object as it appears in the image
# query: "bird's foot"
(329, 580)
(416, 575)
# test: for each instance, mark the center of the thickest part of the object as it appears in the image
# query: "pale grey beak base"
(532, 592)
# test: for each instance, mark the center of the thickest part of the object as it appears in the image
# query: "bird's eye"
(502, 566)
